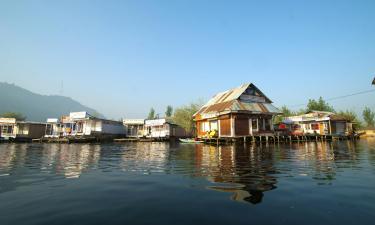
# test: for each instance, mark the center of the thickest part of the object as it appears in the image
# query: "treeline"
(368, 115)
(182, 116)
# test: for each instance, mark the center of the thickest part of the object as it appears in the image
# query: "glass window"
(315, 126)
(254, 124)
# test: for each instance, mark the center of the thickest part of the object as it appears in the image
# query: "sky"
(124, 57)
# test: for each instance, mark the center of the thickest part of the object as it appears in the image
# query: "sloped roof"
(233, 94)
(229, 101)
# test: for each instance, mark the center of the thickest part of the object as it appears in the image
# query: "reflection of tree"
(244, 171)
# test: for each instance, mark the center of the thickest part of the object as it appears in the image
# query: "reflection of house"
(224, 166)
(319, 122)
(10, 129)
(134, 127)
(239, 112)
(83, 124)
(163, 128)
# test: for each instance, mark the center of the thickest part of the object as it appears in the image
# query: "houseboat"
(240, 112)
(163, 129)
(319, 123)
(83, 125)
(54, 128)
(135, 128)
(13, 130)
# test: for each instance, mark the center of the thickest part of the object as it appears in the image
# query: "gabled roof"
(230, 101)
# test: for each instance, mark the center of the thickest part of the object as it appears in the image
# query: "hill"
(38, 107)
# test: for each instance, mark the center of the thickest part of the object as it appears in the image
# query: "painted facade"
(134, 127)
(83, 124)
(163, 128)
(11, 129)
(319, 123)
(239, 112)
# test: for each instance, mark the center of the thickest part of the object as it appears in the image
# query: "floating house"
(54, 128)
(82, 124)
(240, 112)
(163, 129)
(319, 123)
(11, 129)
(134, 127)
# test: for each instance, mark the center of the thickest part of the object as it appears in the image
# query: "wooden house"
(11, 129)
(240, 112)
(163, 129)
(79, 124)
(319, 123)
(134, 127)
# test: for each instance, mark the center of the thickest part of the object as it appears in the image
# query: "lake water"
(167, 183)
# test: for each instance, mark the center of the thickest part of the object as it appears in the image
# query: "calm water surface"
(163, 183)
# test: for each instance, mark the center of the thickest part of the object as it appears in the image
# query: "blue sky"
(123, 57)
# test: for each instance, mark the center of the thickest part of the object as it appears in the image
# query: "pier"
(278, 138)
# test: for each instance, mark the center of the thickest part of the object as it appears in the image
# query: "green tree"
(369, 117)
(319, 105)
(18, 116)
(169, 111)
(286, 112)
(351, 116)
(151, 114)
(183, 116)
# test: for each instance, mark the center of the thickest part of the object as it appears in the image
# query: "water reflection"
(248, 172)
(245, 171)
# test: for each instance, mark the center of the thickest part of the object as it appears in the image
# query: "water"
(162, 183)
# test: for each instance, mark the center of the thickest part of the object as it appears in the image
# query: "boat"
(190, 140)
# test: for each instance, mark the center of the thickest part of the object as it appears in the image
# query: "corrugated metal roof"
(229, 101)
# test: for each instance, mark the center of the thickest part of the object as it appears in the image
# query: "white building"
(319, 122)
(11, 129)
(163, 128)
(134, 127)
(54, 128)
(83, 124)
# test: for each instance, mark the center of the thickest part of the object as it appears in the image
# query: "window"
(213, 125)
(6, 129)
(315, 126)
(23, 129)
(268, 124)
(254, 124)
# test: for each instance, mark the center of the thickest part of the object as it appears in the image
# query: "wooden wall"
(225, 126)
(242, 126)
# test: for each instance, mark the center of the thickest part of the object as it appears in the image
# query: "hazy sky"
(122, 57)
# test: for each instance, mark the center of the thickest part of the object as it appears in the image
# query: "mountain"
(38, 107)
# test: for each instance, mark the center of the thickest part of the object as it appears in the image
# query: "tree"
(183, 116)
(151, 114)
(350, 116)
(169, 111)
(319, 105)
(286, 112)
(369, 117)
(17, 116)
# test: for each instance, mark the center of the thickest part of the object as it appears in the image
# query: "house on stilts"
(241, 112)
(13, 130)
(83, 126)
(319, 123)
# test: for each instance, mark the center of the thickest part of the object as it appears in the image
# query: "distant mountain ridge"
(37, 107)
